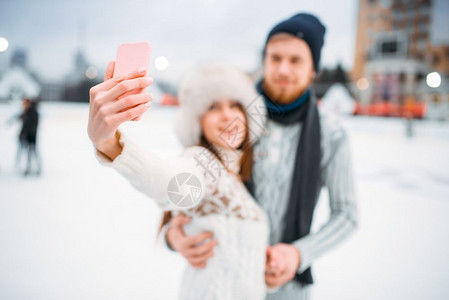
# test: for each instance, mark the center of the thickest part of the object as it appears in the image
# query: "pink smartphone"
(131, 57)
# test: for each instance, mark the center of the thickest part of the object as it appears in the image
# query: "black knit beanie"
(306, 27)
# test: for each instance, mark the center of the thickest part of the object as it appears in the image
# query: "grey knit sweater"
(273, 168)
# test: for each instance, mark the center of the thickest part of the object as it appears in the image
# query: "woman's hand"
(110, 106)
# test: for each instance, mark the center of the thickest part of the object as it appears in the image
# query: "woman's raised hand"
(110, 106)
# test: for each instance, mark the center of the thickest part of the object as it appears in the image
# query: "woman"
(205, 183)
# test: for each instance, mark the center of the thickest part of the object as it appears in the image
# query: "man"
(304, 150)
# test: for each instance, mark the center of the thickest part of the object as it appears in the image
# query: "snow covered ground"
(81, 232)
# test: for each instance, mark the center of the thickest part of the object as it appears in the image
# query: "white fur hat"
(209, 83)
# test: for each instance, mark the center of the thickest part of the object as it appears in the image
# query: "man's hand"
(283, 260)
(194, 248)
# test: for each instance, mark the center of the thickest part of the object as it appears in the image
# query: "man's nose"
(284, 67)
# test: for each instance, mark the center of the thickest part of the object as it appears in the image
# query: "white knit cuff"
(141, 168)
(129, 162)
(102, 159)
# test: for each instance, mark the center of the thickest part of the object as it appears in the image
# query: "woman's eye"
(235, 105)
(213, 106)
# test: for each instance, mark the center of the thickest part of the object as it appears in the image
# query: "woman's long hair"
(246, 162)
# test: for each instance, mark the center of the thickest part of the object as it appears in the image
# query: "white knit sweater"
(236, 271)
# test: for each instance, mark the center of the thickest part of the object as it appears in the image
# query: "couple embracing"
(258, 155)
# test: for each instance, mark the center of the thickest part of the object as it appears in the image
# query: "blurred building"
(51, 91)
(19, 58)
(328, 77)
(3, 63)
(80, 66)
(394, 52)
(18, 81)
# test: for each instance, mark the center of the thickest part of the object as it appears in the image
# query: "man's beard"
(282, 95)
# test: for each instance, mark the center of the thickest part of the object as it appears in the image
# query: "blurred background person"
(27, 138)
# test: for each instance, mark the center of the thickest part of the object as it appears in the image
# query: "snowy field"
(81, 232)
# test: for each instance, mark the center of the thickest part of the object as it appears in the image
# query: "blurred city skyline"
(185, 32)
(64, 47)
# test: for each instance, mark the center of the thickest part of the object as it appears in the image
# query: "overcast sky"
(186, 32)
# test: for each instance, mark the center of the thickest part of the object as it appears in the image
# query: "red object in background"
(169, 100)
(388, 109)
